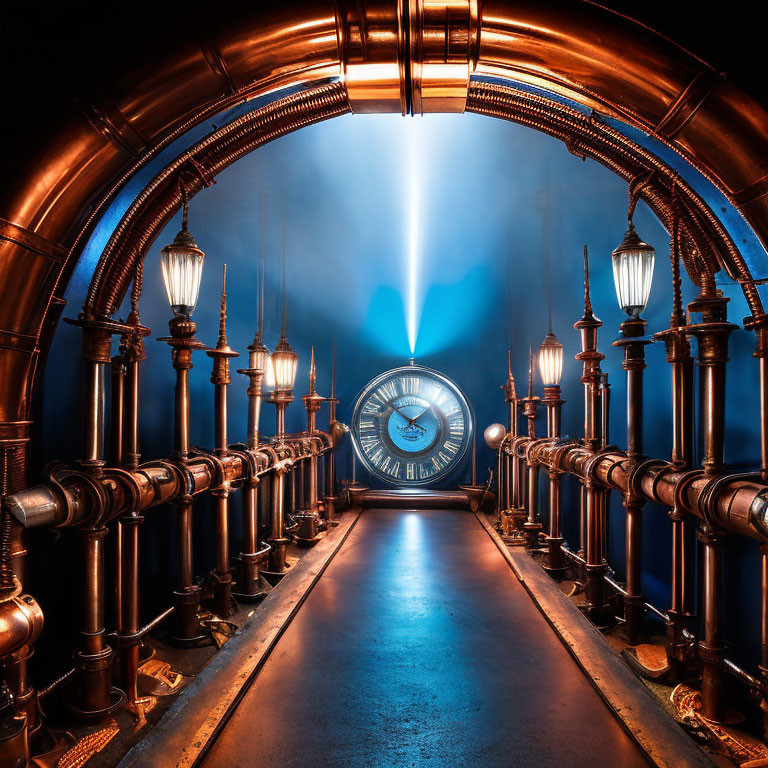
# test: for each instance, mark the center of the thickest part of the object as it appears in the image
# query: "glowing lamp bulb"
(633, 263)
(258, 358)
(551, 360)
(182, 265)
(283, 365)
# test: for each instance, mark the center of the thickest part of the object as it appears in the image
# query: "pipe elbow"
(21, 622)
(40, 505)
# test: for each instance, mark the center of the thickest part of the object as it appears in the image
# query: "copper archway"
(390, 55)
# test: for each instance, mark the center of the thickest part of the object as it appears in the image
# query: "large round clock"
(411, 426)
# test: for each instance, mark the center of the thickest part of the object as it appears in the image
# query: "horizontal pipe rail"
(72, 497)
(736, 503)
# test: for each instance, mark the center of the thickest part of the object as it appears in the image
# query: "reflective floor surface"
(419, 647)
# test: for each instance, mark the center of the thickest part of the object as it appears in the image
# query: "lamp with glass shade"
(633, 263)
(182, 265)
(281, 369)
(551, 370)
(281, 375)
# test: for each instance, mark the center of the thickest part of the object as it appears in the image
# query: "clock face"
(411, 426)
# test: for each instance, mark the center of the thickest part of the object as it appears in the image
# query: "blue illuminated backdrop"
(443, 222)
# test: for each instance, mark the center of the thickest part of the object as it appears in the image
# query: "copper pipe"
(633, 341)
(712, 334)
(131, 433)
(679, 357)
(507, 470)
(182, 412)
(223, 584)
(277, 540)
(712, 649)
(593, 554)
(280, 418)
(515, 475)
(220, 379)
(532, 526)
(119, 536)
(129, 624)
(68, 500)
(330, 461)
(94, 411)
(764, 611)
(605, 410)
(94, 657)
(118, 408)
(187, 593)
(634, 603)
(592, 378)
(555, 562)
(764, 417)
(251, 516)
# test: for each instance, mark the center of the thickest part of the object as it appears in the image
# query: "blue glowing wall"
(492, 197)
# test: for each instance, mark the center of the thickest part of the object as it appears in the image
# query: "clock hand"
(407, 418)
(416, 418)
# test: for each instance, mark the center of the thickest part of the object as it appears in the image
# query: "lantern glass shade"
(182, 266)
(269, 379)
(633, 263)
(283, 363)
(551, 361)
(259, 358)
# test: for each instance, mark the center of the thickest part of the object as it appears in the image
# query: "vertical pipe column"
(277, 540)
(118, 409)
(129, 620)
(330, 460)
(681, 603)
(220, 379)
(94, 656)
(712, 648)
(555, 560)
(760, 326)
(593, 503)
(249, 581)
(633, 340)
(127, 604)
(712, 334)
(187, 593)
(513, 505)
(532, 526)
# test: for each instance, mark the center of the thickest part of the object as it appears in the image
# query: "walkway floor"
(418, 648)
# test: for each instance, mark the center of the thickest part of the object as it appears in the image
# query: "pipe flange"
(711, 491)
(98, 492)
(639, 468)
(532, 444)
(129, 481)
(248, 461)
(591, 465)
(215, 465)
(682, 486)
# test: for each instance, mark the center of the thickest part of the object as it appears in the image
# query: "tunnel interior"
(450, 235)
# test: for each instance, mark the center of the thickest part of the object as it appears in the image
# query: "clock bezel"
(373, 384)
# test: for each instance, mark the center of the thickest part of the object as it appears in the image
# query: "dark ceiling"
(53, 50)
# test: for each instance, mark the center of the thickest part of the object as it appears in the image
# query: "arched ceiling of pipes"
(385, 56)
